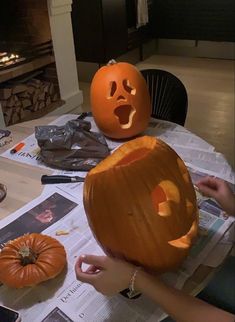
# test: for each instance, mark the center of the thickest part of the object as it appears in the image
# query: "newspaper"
(212, 228)
(66, 299)
(170, 133)
(176, 135)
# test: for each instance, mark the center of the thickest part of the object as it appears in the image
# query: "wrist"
(228, 205)
(144, 281)
(141, 279)
(133, 292)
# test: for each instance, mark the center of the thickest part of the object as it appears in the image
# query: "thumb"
(98, 261)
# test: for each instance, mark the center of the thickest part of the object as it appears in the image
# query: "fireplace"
(17, 57)
(7, 60)
(25, 31)
(35, 41)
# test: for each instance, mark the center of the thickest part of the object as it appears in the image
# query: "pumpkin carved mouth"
(125, 114)
(184, 242)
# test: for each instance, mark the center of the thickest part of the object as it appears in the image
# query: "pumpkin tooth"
(164, 209)
(186, 240)
(180, 243)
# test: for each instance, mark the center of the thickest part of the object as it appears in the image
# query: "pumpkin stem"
(112, 62)
(27, 256)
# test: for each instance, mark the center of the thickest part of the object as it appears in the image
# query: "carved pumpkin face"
(120, 100)
(141, 204)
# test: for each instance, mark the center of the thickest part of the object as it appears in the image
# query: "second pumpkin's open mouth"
(125, 114)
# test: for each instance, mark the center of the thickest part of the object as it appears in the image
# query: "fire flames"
(8, 59)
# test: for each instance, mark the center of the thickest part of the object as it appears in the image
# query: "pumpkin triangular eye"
(128, 87)
(112, 89)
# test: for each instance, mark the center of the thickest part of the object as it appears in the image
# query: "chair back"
(168, 95)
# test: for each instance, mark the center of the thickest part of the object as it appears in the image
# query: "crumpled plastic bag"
(71, 146)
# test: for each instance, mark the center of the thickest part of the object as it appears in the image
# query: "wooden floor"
(210, 87)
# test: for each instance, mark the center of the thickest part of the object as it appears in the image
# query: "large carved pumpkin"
(31, 259)
(141, 204)
(120, 100)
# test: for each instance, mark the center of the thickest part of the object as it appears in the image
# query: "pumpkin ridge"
(44, 268)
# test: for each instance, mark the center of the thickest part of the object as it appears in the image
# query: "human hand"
(108, 275)
(220, 191)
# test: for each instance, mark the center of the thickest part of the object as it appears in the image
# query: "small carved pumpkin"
(31, 259)
(141, 204)
(120, 100)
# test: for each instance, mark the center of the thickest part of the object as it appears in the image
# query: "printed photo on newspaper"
(37, 219)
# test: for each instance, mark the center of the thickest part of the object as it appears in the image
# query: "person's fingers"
(215, 183)
(98, 261)
(209, 186)
(79, 262)
(207, 191)
(207, 181)
(92, 269)
(83, 276)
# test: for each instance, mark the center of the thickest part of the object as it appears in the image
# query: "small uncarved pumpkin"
(31, 259)
(141, 204)
(120, 100)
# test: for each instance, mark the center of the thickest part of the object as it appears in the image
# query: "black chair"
(169, 97)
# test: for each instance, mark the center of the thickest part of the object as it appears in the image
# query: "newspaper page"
(61, 216)
(176, 135)
(211, 230)
(162, 126)
(195, 152)
(214, 222)
(59, 213)
(218, 254)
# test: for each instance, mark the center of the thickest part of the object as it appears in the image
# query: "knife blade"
(53, 179)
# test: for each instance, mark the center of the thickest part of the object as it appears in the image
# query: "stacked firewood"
(19, 101)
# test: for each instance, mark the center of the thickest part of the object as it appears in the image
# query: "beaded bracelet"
(132, 292)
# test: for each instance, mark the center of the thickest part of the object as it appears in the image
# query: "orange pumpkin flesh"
(120, 100)
(31, 259)
(141, 205)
